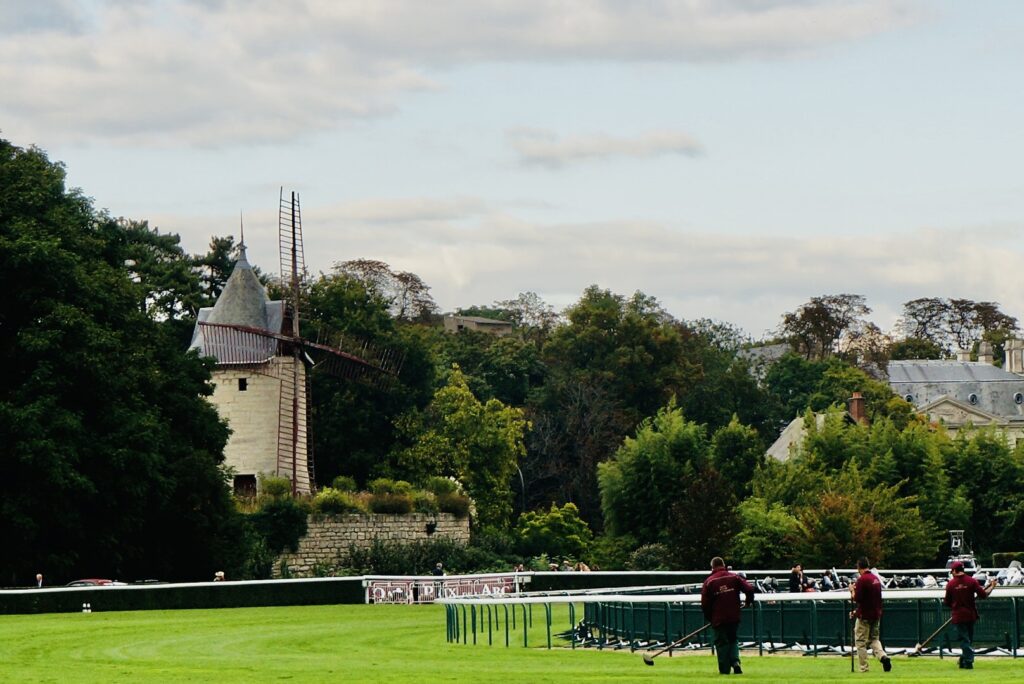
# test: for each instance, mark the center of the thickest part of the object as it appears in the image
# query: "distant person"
(567, 566)
(866, 594)
(582, 567)
(961, 592)
(218, 576)
(720, 601)
(438, 570)
(39, 580)
(796, 579)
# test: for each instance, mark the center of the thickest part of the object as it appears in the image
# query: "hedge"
(1002, 560)
(183, 596)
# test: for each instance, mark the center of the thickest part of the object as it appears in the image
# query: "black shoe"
(736, 669)
(886, 663)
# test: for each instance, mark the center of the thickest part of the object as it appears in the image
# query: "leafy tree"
(955, 323)
(648, 473)
(915, 348)
(817, 327)
(793, 380)
(534, 317)
(557, 532)
(616, 360)
(478, 443)
(572, 432)
(768, 534)
(111, 455)
(702, 522)
(736, 452)
(353, 422)
(991, 476)
(407, 295)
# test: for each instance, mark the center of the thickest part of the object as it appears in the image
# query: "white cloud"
(544, 148)
(233, 71)
(472, 253)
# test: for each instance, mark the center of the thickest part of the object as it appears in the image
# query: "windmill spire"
(241, 241)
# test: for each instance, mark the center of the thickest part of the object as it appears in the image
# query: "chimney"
(858, 409)
(985, 352)
(1014, 350)
(963, 355)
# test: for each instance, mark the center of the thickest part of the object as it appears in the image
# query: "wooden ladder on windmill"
(294, 455)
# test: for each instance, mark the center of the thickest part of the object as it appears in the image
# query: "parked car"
(94, 583)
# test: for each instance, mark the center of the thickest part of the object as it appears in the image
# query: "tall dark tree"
(956, 323)
(110, 454)
(817, 327)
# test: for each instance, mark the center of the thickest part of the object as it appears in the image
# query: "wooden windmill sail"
(254, 338)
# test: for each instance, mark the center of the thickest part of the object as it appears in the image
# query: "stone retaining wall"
(328, 538)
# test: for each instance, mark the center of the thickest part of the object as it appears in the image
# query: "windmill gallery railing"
(810, 623)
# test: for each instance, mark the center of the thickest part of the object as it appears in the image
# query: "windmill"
(264, 363)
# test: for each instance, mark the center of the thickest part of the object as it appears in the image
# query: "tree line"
(653, 428)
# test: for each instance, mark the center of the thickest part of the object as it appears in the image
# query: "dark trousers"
(727, 647)
(965, 632)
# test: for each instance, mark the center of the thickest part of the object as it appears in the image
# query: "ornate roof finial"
(241, 242)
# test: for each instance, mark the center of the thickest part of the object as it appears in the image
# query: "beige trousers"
(866, 633)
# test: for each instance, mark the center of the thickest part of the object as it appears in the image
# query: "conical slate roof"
(243, 302)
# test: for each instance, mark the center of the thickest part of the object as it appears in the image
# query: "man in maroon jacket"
(720, 601)
(961, 592)
(866, 594)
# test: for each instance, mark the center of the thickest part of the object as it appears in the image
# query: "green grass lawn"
(371, 644)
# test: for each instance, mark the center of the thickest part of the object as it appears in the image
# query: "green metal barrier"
(810, 623)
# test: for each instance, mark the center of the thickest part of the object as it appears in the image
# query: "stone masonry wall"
(328, 538)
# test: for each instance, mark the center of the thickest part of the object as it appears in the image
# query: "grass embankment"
(370, 644)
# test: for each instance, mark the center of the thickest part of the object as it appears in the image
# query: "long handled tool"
(649, 659)
(853, 639)
(917, 649)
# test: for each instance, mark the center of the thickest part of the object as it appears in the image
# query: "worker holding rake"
(720, 601)
(867, 597)
(961, 592)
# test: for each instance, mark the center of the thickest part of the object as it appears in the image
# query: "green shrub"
(401, 487)
(330, 500)
(457, 504)
(415, 558)
(281, 523)
(1002, 560)
(611, 552)
(649, 557)
(344, 483)
(382, 485)
(556, 532)
(441, 485)
(391, 503)
(424, 502)
(275, 487)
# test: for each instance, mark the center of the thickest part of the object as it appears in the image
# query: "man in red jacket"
(720, 601)
(866, 594)
(961, 592)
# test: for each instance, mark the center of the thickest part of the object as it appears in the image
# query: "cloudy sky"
(730, 157)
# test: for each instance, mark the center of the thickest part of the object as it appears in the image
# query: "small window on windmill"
(243, 384)
(973, 398)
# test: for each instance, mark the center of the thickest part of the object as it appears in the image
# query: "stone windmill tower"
(261, 379)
